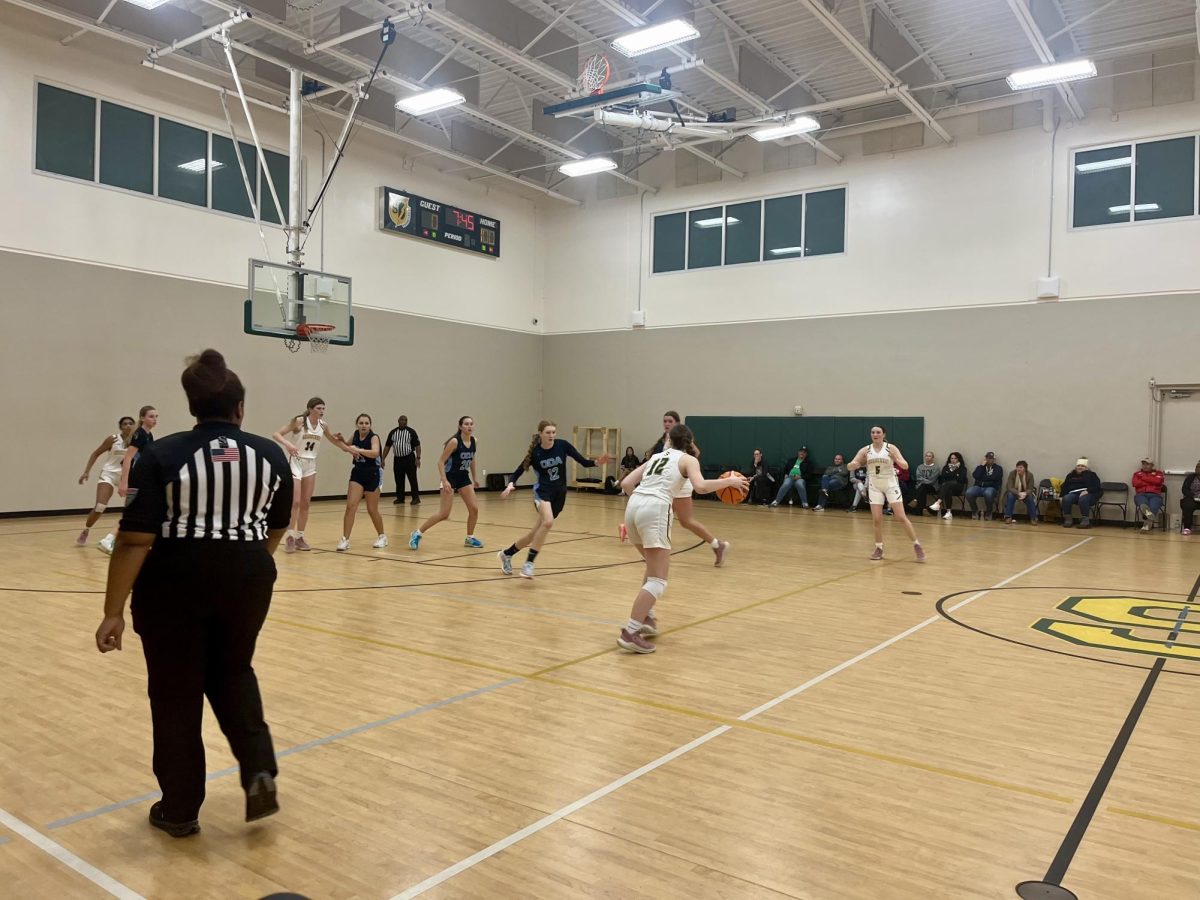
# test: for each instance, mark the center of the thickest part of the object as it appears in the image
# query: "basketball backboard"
(283, 297)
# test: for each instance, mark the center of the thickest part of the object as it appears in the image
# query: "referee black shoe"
(260, 797)
(174, 829)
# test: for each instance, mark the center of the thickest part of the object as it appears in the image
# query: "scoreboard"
(429, 220)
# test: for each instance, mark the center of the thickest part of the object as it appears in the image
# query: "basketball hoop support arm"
(295, 131)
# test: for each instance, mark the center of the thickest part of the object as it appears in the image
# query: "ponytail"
(542, 426)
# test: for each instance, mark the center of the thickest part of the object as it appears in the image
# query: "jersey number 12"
(658, 466)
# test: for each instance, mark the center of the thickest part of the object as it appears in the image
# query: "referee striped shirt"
(213, 483)
(403, 441)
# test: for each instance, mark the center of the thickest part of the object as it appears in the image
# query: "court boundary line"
(72, 861)
(515, 837)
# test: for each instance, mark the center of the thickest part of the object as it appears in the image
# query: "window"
(114, 145)
(1165, 179)
(182, 163)
(228, 188)
(126, 148)
(1135, 182)
(743, 232)
(670, 243)
(65, 133)
(825, 222)
(783, 227)
(750, 231)
(706, 231)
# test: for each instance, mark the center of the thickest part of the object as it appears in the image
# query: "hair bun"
(211, 359)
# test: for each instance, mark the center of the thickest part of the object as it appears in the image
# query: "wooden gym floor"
(812, 726)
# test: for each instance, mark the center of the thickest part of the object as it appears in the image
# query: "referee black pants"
(406, 467)
(198, 608)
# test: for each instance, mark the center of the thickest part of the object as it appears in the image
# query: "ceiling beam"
(922, 53)
(1038, 40)
(874, 66)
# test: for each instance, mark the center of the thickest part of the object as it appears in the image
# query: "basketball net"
(318, 337)
(594, 75)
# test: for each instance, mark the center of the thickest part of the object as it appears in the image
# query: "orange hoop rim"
(307, 328)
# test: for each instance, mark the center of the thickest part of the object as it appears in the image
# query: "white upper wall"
(53, 216)
(938, 227)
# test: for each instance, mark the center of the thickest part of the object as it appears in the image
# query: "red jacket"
(1148, 482)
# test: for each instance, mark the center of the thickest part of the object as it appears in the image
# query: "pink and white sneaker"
(877, 554)
(302, 544)
(290, 545)
(649, 627)
(920, 552)
(1186, 531)
(634, 643)
(721, 551)
(81, 541)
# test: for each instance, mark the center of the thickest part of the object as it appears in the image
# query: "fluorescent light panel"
(1141, 207)
(780, 251)
(197, 166)
(148, 4)
(587, 166)
(1055, 73)
(716, 222)
(798, 125)
(655, 37)
(430, 101)
(1102, 165)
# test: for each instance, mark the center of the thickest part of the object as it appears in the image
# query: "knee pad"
(100, 507)
(655, 587)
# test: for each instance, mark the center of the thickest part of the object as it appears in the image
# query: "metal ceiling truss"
(1042, 48)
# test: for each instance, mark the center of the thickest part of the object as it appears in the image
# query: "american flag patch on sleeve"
(224, 453)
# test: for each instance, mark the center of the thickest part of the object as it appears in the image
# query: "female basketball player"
(881, 460)
(683, 500)
(547, 456)
(110, 473)
(141, 439)
(301, 440)
(366, 477)
(457, 465)
(655, 487)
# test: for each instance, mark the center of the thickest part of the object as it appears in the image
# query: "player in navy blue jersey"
(457, 467)
(141, 439)
(547, 457)
(366, 477)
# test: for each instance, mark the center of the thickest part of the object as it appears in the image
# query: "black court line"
(1083, 818)
(381, 587)
(940, 606)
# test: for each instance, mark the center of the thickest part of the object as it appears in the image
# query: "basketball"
(731, 495)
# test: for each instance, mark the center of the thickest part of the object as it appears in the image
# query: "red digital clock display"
(460, 219)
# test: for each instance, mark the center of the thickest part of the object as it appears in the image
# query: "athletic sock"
(532, 555)
(716, 544)
(878, 545)
(512, 551)
(633, 626)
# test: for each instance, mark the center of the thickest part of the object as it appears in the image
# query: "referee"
(404, 443)
(195, 547)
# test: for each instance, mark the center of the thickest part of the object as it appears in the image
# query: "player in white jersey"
(654, 485)
(301, 439)
(112, 448)
(881, 460)
(683, 505)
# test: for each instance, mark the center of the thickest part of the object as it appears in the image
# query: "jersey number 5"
(877, 469)
(658, 466)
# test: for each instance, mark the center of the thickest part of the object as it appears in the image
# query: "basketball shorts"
(556, 499)
(648, 521)
(110, 476)
(368, 476)
(303, 466)
(889, 492)
(459, 480)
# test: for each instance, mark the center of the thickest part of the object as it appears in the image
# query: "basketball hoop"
(317, 336)
(594, 75)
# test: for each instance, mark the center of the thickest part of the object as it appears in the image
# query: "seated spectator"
(1148, 492)
(761, 480)
(905, 479)
(858, 481)
(836, 478)
(952, 481)
(1081, 486)
(926, 479)
(629, 462)
(1021, 486)
(988, 479)
(1190, 501)
(796, 477)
